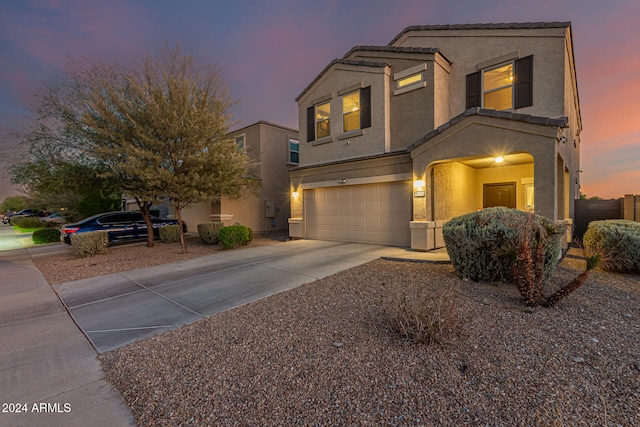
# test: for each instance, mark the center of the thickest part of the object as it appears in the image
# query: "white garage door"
(371, 213)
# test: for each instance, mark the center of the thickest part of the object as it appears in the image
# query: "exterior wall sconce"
(295, 194)
(419, 185)
(498, 159)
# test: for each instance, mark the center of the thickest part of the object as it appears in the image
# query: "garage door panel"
(371, 213)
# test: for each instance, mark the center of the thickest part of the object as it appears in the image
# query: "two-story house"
(273, 149)
(444, 120)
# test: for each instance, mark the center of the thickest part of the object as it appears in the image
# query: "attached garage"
(370, 213)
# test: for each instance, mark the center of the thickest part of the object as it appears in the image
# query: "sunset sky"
(269, 50)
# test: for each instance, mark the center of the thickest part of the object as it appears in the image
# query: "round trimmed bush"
(46, 235)
(233, 236)
(483, 245)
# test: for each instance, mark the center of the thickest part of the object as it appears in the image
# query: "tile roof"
(428, 50)
(509, 115)
(489, 26)
(341, 61)
(265, 122)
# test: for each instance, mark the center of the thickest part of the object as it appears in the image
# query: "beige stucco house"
(446, 119)
(274, 149)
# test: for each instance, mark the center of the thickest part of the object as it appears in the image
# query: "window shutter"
(524, 82)
(365, 107)
(473, 90)
(311, 124)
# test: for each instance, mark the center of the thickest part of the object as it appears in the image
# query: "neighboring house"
(444, 120)
(274, 149)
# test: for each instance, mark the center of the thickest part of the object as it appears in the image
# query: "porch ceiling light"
(498, 159)
(419, 185)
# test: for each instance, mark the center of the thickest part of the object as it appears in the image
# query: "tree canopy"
(157, 128)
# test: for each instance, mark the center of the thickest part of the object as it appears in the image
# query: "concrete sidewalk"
(48, 370)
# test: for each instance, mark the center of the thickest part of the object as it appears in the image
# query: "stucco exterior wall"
(479, 137)
(340, 144)
(468, 48)
(267, 145)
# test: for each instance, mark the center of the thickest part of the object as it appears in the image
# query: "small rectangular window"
(409, 80)
(323, 120)
(240, 143)
(294, 151)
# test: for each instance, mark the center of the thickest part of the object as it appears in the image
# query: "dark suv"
(126, 225)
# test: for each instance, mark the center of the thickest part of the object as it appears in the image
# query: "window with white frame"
(294, 151)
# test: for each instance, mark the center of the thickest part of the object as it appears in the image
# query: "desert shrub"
(169, 233)
(46, 235)
(233, 236)
(250, 235)
(424, 316)
(529, 268)
(208, 231)
(29, 223)
(483, 245)
(90, 243)
(617, 241)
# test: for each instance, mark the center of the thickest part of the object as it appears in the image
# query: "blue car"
(125, 225)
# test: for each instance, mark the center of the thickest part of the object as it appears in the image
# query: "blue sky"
(268, 51)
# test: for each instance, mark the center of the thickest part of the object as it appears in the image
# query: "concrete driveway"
(120, 308)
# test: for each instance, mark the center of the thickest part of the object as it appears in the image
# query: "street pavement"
(48, 368)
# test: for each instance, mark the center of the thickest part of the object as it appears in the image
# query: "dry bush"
(424, 315)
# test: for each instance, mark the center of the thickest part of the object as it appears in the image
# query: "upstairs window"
(497, 85)
(351, 111)
(356, 110)
(240, 142)
(323, 120)
(504, 87)
(294, 151)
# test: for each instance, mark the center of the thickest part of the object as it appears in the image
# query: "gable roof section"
(477, 111)
(267, 123)
(341, 61)
(427, 50)
(490, 26)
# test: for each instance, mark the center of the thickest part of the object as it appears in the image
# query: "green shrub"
(617, 241)
(169, 233)
(483, 245)
(233, 236)
(29, 223)
(90, 243)
(250, 236)
(208, 231)
(46, 235)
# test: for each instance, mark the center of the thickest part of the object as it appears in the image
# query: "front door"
(499, 194)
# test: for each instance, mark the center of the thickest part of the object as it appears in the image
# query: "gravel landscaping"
(324, 354)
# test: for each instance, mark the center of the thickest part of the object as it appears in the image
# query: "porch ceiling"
(509, 160)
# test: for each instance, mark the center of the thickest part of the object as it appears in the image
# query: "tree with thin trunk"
(159, 127)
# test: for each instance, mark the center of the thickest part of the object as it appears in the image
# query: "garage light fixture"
(499, 159)
(295, 194)
(419, 185)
